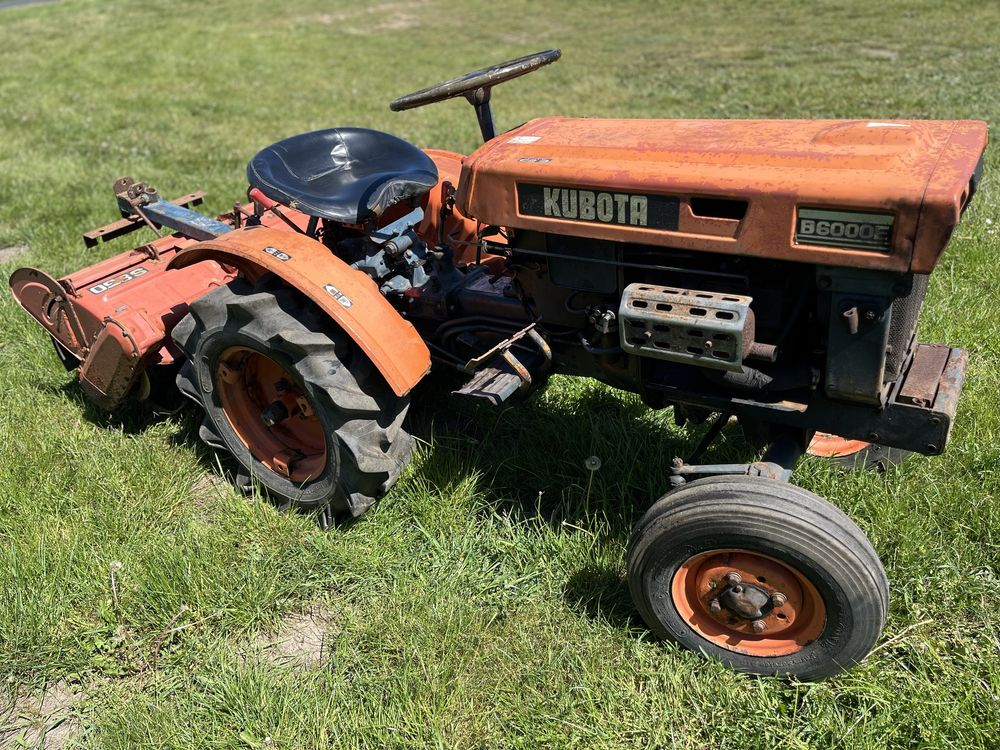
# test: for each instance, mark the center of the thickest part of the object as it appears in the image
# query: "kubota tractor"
(765, 271)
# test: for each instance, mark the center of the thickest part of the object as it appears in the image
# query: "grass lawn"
(144, 602)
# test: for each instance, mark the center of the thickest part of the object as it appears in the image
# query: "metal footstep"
(494, 384)
(499, 373)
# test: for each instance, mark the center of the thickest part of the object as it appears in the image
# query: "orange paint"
(348, 296)
(825, 445)
(247, 382)
(917, 171)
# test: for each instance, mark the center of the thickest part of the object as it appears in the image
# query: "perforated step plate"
(685, 325)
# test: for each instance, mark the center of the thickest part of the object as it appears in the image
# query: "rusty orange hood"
(874, 194)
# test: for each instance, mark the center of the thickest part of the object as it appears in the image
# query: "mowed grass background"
(482, 603)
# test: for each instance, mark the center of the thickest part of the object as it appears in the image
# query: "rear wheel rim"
(704, 593)
(248, 383)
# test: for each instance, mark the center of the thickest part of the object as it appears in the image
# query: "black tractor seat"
(349, 175)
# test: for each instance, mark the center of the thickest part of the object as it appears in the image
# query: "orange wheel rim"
(825, 445)
(250, 383)
(717, 594)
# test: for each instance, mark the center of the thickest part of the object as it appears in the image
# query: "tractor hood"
(872, 194)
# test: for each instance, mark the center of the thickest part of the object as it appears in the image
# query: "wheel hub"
(274, 413)
(748, 602)
(270, 415)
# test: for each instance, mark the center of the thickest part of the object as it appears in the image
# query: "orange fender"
(349, 297)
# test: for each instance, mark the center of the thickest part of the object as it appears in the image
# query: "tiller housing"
(766, 271)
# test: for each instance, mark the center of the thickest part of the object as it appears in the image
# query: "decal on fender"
(279, 254)
(338, 295)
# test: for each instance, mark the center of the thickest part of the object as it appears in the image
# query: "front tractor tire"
(762, 575)
(302, 411)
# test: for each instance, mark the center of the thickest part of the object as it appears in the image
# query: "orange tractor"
(770, 272)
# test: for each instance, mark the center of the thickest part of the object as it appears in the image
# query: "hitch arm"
(133, 222)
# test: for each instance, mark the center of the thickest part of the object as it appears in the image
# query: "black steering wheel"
(484, 78)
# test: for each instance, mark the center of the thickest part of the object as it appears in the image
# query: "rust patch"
(921, 383)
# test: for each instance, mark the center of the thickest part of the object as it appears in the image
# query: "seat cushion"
(348, 175)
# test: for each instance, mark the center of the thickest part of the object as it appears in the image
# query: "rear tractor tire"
(762, 575)
(302, 411)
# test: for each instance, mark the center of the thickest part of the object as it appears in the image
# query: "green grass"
(481, 604)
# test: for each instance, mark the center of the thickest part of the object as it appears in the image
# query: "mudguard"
(348, 296)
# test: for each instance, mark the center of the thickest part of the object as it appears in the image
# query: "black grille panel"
(905, 311)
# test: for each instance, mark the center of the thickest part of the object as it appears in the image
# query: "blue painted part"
(189, 223)
(398, 227)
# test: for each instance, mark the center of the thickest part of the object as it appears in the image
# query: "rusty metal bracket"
(681, 472)
(777, 463)
(133, 218)
(922, 379)
(473, 364)
(45, 299)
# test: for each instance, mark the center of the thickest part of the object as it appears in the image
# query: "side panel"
(349, 297)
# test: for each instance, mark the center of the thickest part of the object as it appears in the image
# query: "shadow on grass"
(135, 418)
(132, 417)
(533, 458)
(532, 462)
(601, 593)
(588, 456)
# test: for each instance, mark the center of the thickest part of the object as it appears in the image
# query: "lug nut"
(759, 626)
(276, 412)
(732, 578)
(778, 599)
(715, 607)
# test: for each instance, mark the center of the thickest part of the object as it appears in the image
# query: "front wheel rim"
(747, 602)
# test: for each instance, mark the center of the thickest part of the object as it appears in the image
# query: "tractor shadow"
(601, 594)
(578, 454)
(131, 418)
(135, 418)
(534, 464)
